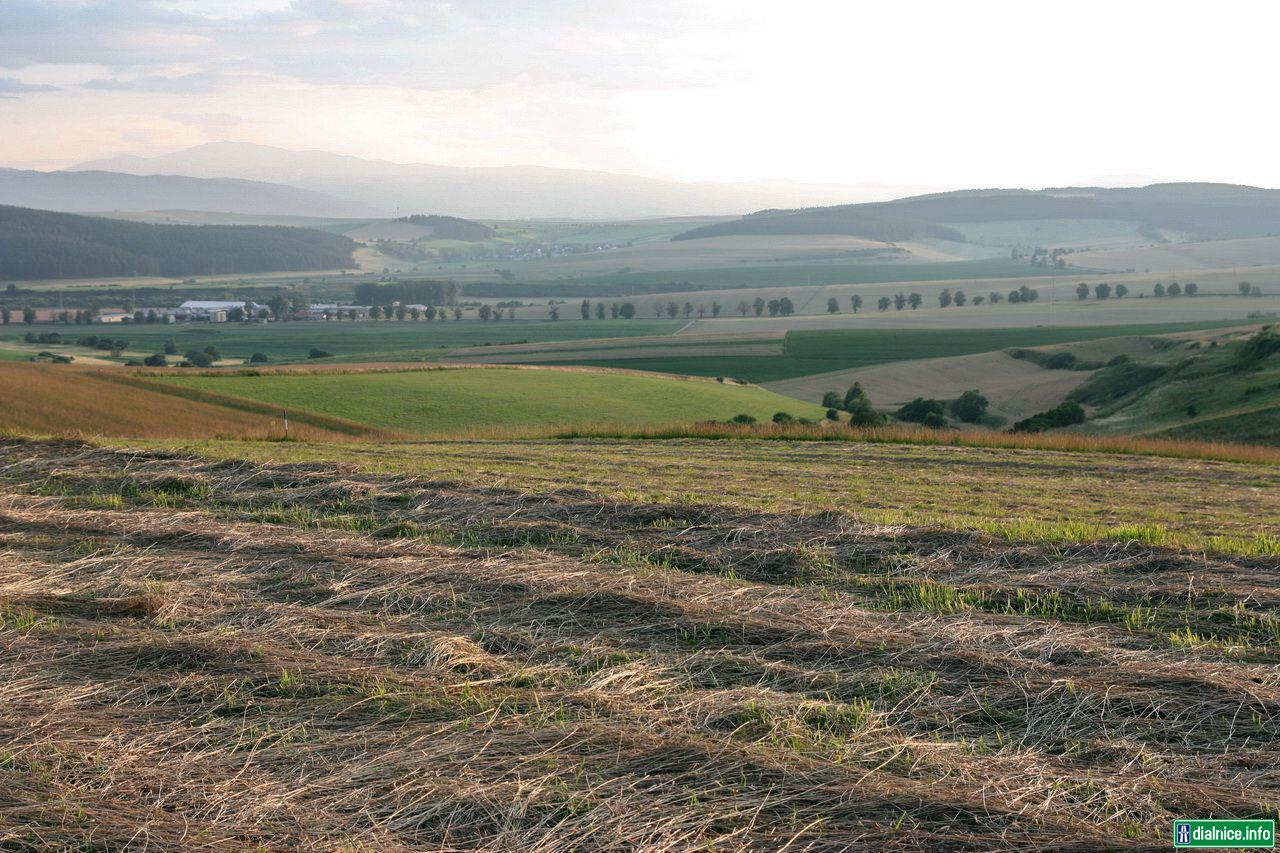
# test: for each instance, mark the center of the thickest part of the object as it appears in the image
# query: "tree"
(1173, 289)
(858, 405)
(157, 360)
(702, 310)
(743, 307)
(258, 358)
(855, 302)
(1014, 297)
(318, 353)
(688, 309)
(716, 308)
(1066, 414)
(774, 307)
(833, 307)
(757, 305)
(851, 396)
(486, 312)
(627, 310)
(236, 315)
(279, 304)
(783, 418)
(899, 301)
(1082, 291)
(585, 308)
(960, 298)
(1245, 288)
(969, 407)
(1027, 294)
(457, 315)
(374, 312)
(883, 303)
(388, 311)
(833, 415)
(198, 359)
(915, 300)
(1102, 291)
(977, 300)
(1158, 290)
(213, 353)
(28, 315)
(599, 310)
(139, 316)
(672, 308)
(831, 400)
(415, 313)
(944, 298)
(352, 314)
(785, 308)
(553, 311)
(919, 409)
(6, 316)
(1121, 291)
(614, 310)
(995, 297)
(1191, 289)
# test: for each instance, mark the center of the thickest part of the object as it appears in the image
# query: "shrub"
(742, 419)
(831, 400)
(1061, 361)
(199, 359)
(1065, 414)
(933, 420)
(157, 360)
(783, 418)
(318, 353)
(258, 358)
(833, 415)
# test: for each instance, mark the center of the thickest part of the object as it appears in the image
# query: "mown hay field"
(200, 653)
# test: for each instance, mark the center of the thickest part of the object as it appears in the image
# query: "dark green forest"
(36, 244)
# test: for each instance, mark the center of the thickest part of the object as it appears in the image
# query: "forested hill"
(41, 244)
(1204, 211)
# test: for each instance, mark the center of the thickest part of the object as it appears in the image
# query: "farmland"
(449, 401)
(563, 644)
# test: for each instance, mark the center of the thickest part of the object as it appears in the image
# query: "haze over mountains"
(497, 192)
(104, 192)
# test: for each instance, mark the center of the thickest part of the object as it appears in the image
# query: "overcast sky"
(939, 94)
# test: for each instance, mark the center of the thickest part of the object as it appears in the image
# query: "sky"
(913, 92)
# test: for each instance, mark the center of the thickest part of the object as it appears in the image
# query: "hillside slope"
(1205, 211)
(105, 192)
(36, 244)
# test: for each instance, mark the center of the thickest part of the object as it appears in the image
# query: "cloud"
(157, 83)
(11, 88)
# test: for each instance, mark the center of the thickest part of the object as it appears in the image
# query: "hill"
(443, 401)
(1182, 257)
(105, 192)
(501, 192)
(560, 645)
(37, 244)
(450, 227)
(1204, 211)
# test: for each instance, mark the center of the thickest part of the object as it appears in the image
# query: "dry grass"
(71, 402)
(1069, 442)
(199, 654)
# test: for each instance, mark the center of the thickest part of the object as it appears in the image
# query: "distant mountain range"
(1202, 211)
(499, 192)
(103, 192)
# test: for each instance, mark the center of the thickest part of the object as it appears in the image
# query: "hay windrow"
(213, 654)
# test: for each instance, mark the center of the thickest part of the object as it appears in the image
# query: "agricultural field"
(806, 353)
(562, 645)
(449, 401)
(1239, 255)
(367, 340)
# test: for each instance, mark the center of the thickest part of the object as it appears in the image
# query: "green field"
(376, 340)
(810, 352)
(449, 401)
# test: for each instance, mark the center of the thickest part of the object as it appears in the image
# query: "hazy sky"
(917, 93)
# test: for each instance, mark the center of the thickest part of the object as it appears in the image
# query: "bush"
(969, 407)
(1065, 414)
(258, 358)
(833, 415)
(1061, 361)
(919, 409)
(783, 418)
(199, 359)
(933, 420)
(157, 360)
(318, 353)
(831, 400)
(745, 420)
